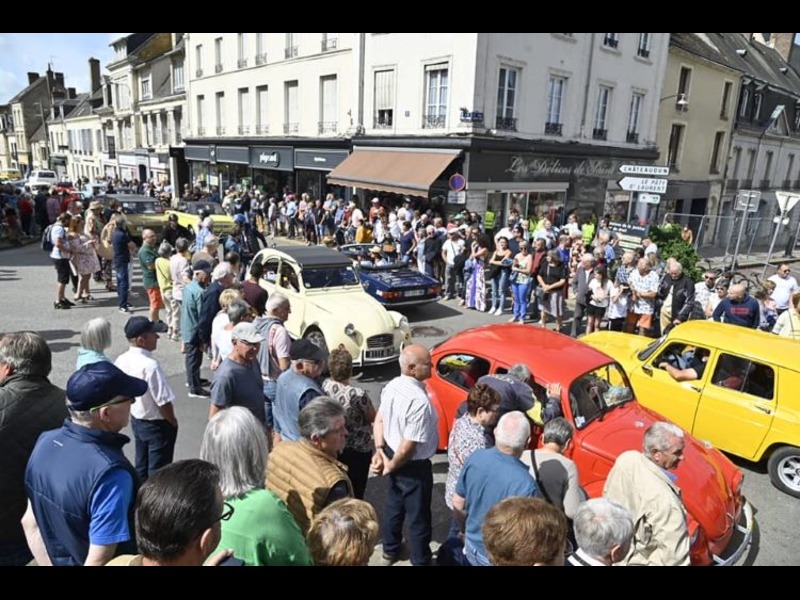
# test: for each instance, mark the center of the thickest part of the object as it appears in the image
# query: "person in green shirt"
(262, 532)
(147, 260)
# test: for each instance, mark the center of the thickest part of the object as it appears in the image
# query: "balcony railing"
(291, 128)
(218, 68)
(328, 127)
(633, 137)
(732, 184)
(198, 73)
(329, 44)
(242, 64)
(600, 134)
(220, 129)
(764, 184)
(746, 184)
(643, 52)
(796, 184)
(434, 121)
(787, 184)
(553, 129)
(506, 124)
(244, 129)
(385, 123)
(261, 59)
(201, 131)
(262, 129)
(610, 42)
(290, 52)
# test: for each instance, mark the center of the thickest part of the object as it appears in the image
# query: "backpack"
(47, 239)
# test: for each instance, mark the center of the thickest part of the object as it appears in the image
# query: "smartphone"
(232, 561)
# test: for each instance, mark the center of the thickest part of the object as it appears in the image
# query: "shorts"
(63, 270)
(156, 301)
(598, 312)
(640, 321)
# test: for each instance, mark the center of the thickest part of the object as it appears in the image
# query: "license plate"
(415, 294)
(378, 354)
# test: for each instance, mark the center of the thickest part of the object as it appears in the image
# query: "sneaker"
(61, 306)
(68, 303)
(125, 310)
(204, 383)
(389, 560)
(201, 394)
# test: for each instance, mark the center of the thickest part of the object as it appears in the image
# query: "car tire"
(784, 470)
(316, 337)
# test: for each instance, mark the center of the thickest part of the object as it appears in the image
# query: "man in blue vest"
(297, 387)
(81, 488)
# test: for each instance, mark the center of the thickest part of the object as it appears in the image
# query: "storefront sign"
(272, 158)
(319, 160)
(630, 236)
(526, 167)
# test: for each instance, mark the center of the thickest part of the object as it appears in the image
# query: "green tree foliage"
(671, 245)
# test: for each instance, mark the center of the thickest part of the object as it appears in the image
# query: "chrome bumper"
(744, 529)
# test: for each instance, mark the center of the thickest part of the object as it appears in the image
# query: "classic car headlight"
(350, 330)
(404, 322)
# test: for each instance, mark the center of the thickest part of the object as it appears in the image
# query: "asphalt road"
(27, 283)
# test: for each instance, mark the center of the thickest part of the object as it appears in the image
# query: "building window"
(147, 88)
(789, 170)
(611, 40)
(601, 115)
(507, 99)
(219, 102)
(178, 78)
(329, 41)
(768, 169)
(198, 60)
(758, 101)
(241, 45)
(384, 99)
(643, 50)
(675, 143)
(244, 111)
(737, 162)
(261, 52)
(218, 55)
(291, 123)
(719, 140)
(751, 165)
(262, 109)
(291, 49)
(437, 84)
(329, 102)
(685, 82)
(634, 117)
(743, 104)
(556, 90)
(726, 99)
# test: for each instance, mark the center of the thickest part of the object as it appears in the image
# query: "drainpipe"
(362, 66)
(588, 86)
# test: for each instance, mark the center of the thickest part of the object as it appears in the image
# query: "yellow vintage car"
(330, 306)
(189, 217)
(141, 212)
(745, 402)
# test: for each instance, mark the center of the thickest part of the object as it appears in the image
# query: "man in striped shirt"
(406, 438)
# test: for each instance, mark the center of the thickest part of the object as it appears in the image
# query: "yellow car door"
(657, 390)
(738, 405)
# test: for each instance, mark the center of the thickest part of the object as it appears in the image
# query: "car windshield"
(321, 278)
(193, 208)
(141, 208)
(648, 352)
(599, 392)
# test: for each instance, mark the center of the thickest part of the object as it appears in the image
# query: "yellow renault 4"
(733, 387)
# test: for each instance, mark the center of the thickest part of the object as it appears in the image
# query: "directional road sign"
(649, 198)
(646, 170)
(641, 184)
(748, 201)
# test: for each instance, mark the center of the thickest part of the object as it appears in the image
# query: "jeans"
(155, 445)
(358, 464)
(521, 300)
(499, 290)
(453, 283)
(193, 360)
(270, 392)
(410, 493)
(123, 285)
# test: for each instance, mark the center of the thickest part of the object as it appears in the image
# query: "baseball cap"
(203, 265)
(240, 219)
(247, 332)
(98, 384)
(375, 200)
(307, 350)
(137, 326)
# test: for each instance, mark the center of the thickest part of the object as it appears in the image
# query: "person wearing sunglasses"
(80, 486)
(705, 289)
(785, 286)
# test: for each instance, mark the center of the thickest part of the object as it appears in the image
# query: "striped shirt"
(408, 415)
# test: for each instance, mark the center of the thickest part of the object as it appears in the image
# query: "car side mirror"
(648, 369)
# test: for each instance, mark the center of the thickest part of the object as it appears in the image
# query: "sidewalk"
(756, 259)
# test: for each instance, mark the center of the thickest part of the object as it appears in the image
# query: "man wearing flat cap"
(153, 420)
(81, 488)
(297, 387)
(237, 381)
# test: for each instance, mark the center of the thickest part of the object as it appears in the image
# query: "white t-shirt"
(600, 293)
(452, 249)
(58, 232)
(784, 288)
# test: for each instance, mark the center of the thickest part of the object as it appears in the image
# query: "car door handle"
(647, 369)
(695, 388)
(763, 409)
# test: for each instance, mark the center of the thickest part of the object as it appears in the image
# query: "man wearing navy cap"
(297, 387)
(153, 420)
(81, 488)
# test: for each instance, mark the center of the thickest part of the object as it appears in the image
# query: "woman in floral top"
(359, 415)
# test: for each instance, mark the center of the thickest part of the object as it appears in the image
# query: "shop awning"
(410, 172)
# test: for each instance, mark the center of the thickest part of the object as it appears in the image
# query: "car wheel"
(784, 470)
(316, 337)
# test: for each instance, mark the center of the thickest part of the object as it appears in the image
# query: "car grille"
(380, 341)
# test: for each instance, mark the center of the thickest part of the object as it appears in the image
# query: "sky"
(69, 53)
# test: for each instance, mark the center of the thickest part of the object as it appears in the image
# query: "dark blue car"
(391, 283)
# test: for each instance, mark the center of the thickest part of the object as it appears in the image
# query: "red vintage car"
(599, 401)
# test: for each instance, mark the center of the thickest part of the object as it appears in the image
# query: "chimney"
(60, 80)
(94, 74)
(71, 93)
(32, 77)
(783, 44)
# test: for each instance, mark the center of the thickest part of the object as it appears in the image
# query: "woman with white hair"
(95, 340)
(262, 531)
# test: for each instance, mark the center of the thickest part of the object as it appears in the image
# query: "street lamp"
(682, 103)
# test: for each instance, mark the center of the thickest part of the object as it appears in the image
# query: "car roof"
(756, 345)
(550, 355)
(317, 256)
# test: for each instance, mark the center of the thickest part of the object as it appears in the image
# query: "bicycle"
(731, 275)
